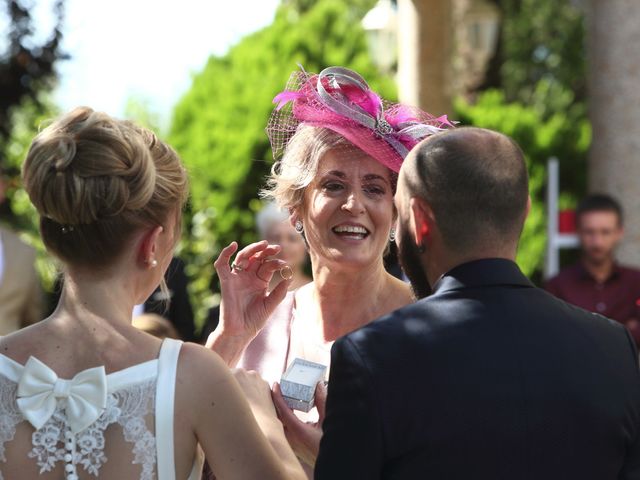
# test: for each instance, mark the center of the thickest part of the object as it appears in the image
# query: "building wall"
(613, 37)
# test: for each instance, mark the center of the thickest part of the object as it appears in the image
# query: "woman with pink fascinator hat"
(338, 148)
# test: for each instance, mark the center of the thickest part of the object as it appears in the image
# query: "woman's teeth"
(352, 231)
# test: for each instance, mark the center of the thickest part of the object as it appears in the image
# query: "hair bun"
(96, 182)
(66, 153)
(87, 167)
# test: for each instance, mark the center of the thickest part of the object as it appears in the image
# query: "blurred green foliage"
(26, 120)
(543, 55)
(29, 53)
(218, 126)
(139, 109)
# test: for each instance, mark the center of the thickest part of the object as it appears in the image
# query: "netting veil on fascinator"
(340, 99)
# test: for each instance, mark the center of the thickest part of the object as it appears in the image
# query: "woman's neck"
(107, 301)
(346, 299)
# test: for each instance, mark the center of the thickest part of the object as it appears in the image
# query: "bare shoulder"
(203, 379)
(28, 341)
(200, 366)
(206, 390)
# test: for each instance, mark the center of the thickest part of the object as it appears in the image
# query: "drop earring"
(392, 235)
(298, 226)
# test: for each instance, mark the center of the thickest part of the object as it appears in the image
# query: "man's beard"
(409, 257)
(597, 256)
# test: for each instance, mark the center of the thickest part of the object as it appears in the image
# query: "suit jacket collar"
(482, 273)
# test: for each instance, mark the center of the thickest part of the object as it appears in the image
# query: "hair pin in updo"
(67, 229)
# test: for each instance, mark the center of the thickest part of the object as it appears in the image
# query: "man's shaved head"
(476, 182)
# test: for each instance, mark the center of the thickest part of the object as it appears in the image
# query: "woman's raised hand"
(246, 302)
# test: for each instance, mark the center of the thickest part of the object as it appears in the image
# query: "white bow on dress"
(39, 389)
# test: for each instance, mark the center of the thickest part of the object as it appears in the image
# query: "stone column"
(613, 36)
(424, 54)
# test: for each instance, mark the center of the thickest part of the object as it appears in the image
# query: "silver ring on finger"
(236, 267)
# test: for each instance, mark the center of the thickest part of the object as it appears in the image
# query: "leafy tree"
(540, 62)
(26, 74)
(540, 59)
(218, 126)
(25, 122)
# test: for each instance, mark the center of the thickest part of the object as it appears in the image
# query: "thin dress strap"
(165, 399)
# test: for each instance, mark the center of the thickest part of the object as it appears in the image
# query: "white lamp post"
(381, 25)
(483, 24)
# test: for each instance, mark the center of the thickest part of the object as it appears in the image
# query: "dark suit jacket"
(488, 378)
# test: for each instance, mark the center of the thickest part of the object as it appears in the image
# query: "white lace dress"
(76, 426)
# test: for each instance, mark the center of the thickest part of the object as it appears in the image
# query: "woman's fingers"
(275, 297)
(268, 251)
(286, 415)
(268, 267)
(257, 259)
(222, 262)
(303, 437)
(243, 257)
(321, 400)
(250, 258)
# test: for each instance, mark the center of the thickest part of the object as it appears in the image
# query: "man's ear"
(148, 246)
(528, 210)
(421, 220)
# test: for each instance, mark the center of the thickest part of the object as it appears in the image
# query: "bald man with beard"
(488, 377)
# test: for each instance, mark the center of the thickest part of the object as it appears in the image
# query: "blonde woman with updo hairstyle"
(83, 393)
(338, 148)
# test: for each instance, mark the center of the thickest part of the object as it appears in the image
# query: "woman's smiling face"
(348, 208)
